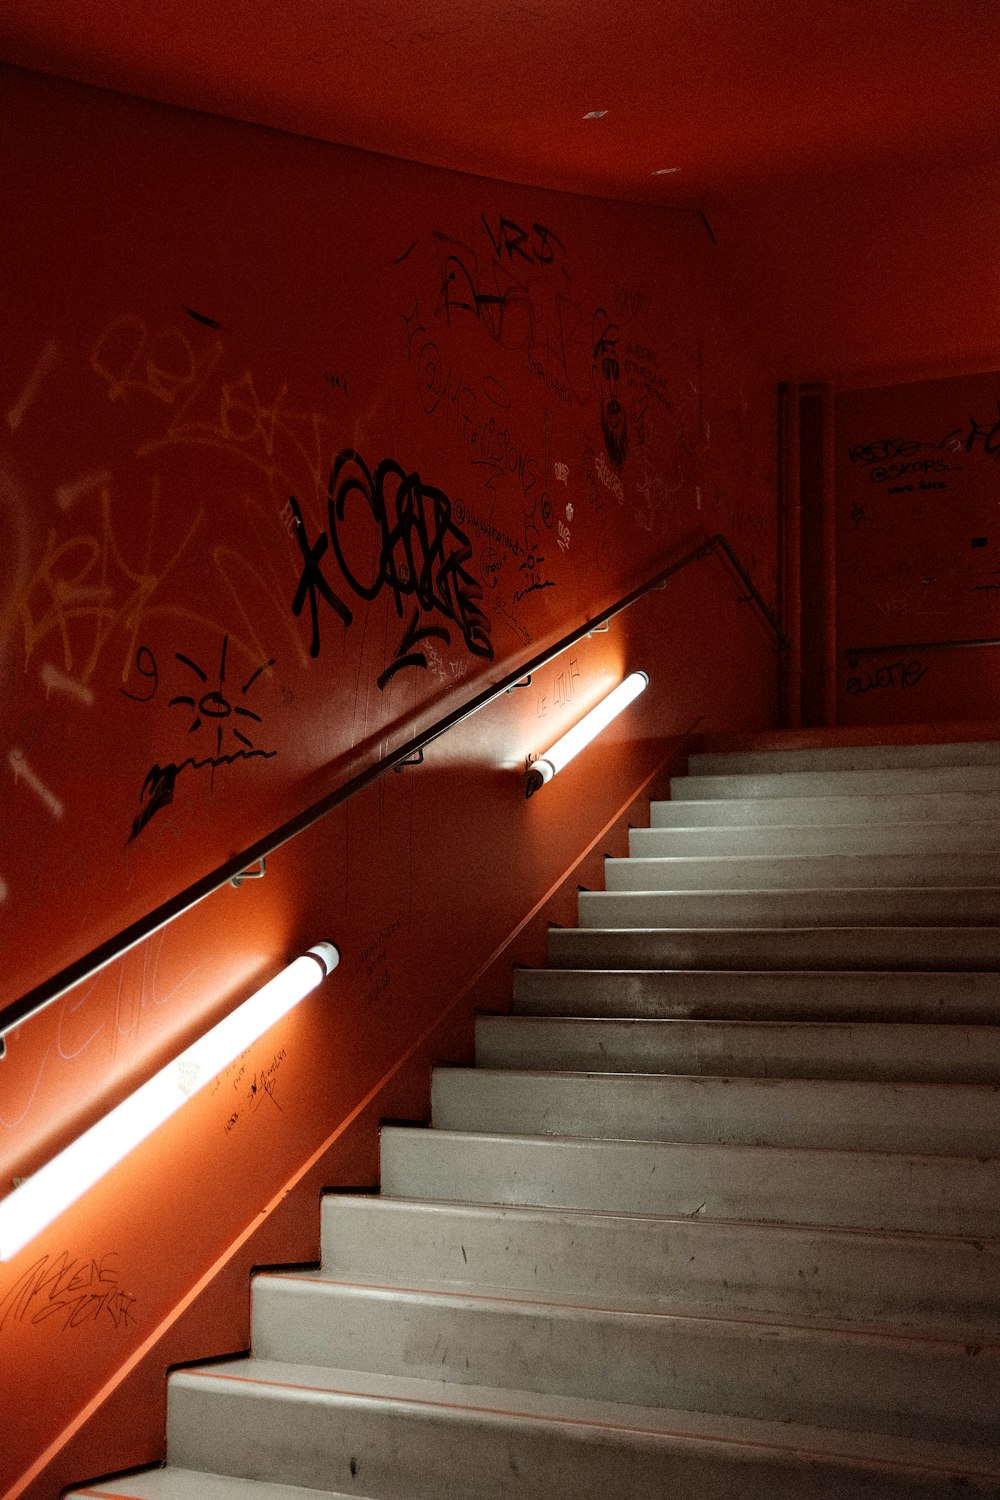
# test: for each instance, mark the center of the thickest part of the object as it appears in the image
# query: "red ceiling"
(727, 91)
(846, 151)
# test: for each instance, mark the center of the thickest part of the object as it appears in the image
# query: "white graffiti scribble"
(23, 772)
(55, 681)
(69, 494)
(609, 478)
(43, 365)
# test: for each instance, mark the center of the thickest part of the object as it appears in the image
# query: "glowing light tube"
(575, 739)
(38, 1200)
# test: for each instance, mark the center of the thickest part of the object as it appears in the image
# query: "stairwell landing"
(716, 1213)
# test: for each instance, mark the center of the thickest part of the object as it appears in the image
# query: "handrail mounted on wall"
(853, 652)
(136, 932)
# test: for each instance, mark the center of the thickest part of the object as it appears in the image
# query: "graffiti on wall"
(403, 542)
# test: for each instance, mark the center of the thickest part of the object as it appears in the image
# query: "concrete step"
(844, 758)
(871, 811)
(885, 906)
(190, 1484)
(643, 1261)
(927, 780)
(939, 1119)
(759, 1049)
(715, 947)
(889, 1191)
(958, 998)
(403, 1437)
(759, 872)
(817, 1375)
(817, 838)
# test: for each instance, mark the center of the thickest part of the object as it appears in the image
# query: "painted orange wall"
(301, 447)
(917, 550)
(864, 276)
(872, 271)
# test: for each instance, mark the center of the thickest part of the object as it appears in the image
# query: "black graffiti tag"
(312, 581)
(70, 1291)
(389, 530)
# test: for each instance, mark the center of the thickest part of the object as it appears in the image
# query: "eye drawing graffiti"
(213, 707)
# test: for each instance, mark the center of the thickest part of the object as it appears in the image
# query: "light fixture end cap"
(541, 772)
(326, 955)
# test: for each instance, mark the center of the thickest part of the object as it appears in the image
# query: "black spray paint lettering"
(406, 654)
(988, 436)
(883, 451)
(510, 239)
(419, 554)
(72, 1291)
(161, 782)
(900, 674)
(889, 472)
(606, 377)
(312, 581)
(260, 1087)
(534, 312)
(145, 665)
(201, 317)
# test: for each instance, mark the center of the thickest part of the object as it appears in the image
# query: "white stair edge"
(845, 757)
(174, 1483)
(773, 1184)
(684, 1432)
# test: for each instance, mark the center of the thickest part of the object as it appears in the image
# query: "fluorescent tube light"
(575, 739)
(33, 1205)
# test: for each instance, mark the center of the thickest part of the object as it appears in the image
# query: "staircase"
(717, 1212)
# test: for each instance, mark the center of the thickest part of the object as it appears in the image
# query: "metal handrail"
(853, 652)
(136, 932)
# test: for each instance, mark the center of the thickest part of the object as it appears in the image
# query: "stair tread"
(845, 757)
(975, 978)
(948, 929)
(929, 1158)
(880, 781)
(174, 1483)
(878, 1451)
(780, 890)
(941, 826)
(966, 997)
(906, 1279)
(514, 1211)
(950, 1119)
(795, 1047)
(870, 808)
(761, 1183)
(981, 1091)
(653, 1310)
(897, 838)
(805, 859)
(983, 1030)
(739, 1303)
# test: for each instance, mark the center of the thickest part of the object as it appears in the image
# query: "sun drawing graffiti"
(214, 709)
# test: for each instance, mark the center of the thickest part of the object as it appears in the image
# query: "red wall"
(865, 274)
(873, 271)
(202, 320)
(917, 550)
